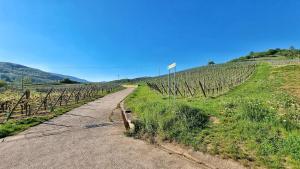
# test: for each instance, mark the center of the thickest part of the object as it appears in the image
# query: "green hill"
(11, 72)
(271, 54)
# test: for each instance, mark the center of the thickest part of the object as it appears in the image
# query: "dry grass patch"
(292, 80)
(288, 77)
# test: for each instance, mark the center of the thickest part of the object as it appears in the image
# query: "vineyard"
(206, 81)
(40, 100)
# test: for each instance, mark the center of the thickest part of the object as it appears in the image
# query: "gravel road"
(85, 138)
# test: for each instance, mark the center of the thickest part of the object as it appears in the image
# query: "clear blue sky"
(99, 39)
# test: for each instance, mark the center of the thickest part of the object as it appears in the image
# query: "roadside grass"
(257, 123)
(15, 126)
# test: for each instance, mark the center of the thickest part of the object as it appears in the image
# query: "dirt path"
(85, 138)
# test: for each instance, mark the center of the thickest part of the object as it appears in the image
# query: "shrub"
(138, 130)
(175, 122)
(182, 123)
(193, 118)
(211, 63)
(68, 81)
(2, 83)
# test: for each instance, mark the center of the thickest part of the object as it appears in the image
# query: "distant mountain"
(11, 72)
(72, 78)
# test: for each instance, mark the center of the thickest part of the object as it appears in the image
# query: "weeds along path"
(85, 138)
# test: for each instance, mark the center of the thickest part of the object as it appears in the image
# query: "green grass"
(257, 123)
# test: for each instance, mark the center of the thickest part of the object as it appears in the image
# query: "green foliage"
(211, 63)
(2, 83)
(182, 122)
(68, 81)
(5, 78)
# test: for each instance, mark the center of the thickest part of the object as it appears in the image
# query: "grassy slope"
(257, 123)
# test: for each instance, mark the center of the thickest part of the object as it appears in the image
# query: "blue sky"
(99, 39)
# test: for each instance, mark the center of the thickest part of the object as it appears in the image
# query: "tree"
(68, 81)
(248, 57)
(251, 55)
(2, 83)
(211, 62)
(5, 78)
(272, 52)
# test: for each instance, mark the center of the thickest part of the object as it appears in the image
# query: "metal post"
(158, 72)
(169, 86)
(22, 82)
(159, 79)
(175, 92)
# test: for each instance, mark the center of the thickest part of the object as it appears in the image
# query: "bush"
(193, 118)
(211, 63)
(2, 83)
(174, 122)
(182, 123)
(138, 130)
(68, 81)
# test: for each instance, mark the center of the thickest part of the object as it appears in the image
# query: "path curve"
(85, 138)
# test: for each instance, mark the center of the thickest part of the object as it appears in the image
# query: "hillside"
(255, 123)
(11, 72)
(271, 54)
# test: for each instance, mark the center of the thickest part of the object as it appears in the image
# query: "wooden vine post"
(188, 88)
(44, 101)
(202, 88)
(25, 94)
(58, 99)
